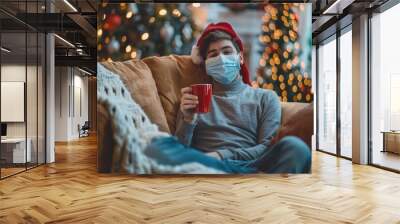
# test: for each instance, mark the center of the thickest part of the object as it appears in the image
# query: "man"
(243, 120)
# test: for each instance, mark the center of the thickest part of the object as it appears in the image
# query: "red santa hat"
(227, 28)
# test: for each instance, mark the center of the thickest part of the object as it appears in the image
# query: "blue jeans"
(289, 155)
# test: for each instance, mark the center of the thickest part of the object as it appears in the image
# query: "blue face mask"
(223, 68)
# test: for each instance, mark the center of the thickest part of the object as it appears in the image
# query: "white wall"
(61, 104)
(12, 73)
(71, 93)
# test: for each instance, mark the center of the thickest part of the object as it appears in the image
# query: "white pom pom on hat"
(195, 55)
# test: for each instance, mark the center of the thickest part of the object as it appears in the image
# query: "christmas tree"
(129, 30)
(281, 67)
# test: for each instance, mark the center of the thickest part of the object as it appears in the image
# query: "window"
(385, 88)
(346, 94)
(327, 96)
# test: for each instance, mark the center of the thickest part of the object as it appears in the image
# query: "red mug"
(203, 93)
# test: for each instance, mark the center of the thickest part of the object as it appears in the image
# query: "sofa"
(155, 84)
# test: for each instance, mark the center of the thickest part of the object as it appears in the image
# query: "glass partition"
(22, 88)
(15, 150)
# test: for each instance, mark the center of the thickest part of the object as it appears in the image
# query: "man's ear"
(241, 58)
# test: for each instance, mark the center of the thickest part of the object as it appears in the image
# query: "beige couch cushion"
(104, 139)
(138, 79)
(297, 120)
(171, 74)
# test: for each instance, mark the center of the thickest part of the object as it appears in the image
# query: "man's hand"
(188, 103)
(214, 154)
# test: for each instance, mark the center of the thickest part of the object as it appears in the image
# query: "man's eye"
(228, 52)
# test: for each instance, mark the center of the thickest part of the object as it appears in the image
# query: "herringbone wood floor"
(71, 191)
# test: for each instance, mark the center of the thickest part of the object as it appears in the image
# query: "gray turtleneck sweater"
(240, 126)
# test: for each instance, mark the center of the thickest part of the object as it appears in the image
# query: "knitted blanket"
(133, 131)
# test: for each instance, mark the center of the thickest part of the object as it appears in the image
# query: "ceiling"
(72, 20)
(330, 15)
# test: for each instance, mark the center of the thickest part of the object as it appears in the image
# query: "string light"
(123, 38)
(133, 54)
(274, 69)
(285, 38)
(281, 78)
(129, 14)
(271, 62)
(99, 32)
(300, 84)
(162, 12)
(299, 96)
(128, 48)
(176, 12)
(262, 62)
(308, 97)
(196, 5)
(145, 36)
(285, 54)
(277, 61)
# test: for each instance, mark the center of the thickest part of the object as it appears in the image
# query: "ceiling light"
(84, 71)
(5, 50)
(338, 6)
(70, 5)
(65, 41)
(79, 51)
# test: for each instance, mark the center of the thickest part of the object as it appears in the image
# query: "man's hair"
(213, 37)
